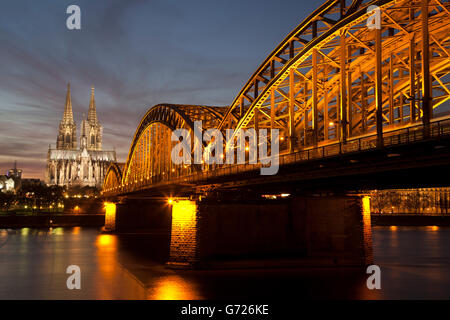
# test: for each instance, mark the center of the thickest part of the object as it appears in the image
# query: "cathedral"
(86, 165)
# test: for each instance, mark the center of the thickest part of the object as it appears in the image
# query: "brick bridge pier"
(208, 232)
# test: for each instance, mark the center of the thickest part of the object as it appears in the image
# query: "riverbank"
(409, 220)
(45, 220)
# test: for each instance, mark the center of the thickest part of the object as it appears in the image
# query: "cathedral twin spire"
(68, 114)
(91, 130)
(92, 115)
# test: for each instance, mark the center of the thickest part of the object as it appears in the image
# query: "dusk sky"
(137, 53)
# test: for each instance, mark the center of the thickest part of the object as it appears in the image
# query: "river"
(414, 262)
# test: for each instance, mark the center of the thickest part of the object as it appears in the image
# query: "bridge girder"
(113, 176)
(149, 157)
(326, 91)
(331, 80)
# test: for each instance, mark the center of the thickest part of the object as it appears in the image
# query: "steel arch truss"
(113, 177)
(332, 79)
(325, 81)
(149, 158)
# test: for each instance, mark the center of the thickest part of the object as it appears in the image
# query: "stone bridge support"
(312, 231)
(137, 215)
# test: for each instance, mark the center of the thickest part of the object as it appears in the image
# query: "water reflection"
(173, 287)
(415, 263)
(106, 241)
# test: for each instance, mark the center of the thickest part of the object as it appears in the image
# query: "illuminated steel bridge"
(333, 87)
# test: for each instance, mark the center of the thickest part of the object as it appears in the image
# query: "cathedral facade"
(84, 163)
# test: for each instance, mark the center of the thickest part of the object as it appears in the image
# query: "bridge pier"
(315, 231)
(135, 215)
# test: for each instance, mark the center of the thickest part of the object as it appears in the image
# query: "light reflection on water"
(173, 287)
(415, 263)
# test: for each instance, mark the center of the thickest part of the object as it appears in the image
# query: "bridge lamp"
(170, 201)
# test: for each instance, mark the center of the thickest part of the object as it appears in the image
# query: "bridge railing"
(391, 138)
(395, 137)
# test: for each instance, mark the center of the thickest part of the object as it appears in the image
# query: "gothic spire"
(92, 115)
(68, 114)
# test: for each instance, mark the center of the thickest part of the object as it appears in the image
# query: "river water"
(414, 262)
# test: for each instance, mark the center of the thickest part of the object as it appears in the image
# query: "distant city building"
(422, 200)
(14, 172)
(12, 181)
(86, 166)
(6, 184)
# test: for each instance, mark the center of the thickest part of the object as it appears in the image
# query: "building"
(85, 165)
(11, 182)
(14, 172)
(411, 201)
(7, 184)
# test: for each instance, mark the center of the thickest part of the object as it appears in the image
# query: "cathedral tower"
(91, 130)
(67, 134)
(68, 165)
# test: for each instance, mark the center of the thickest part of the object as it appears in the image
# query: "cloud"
(137, 53)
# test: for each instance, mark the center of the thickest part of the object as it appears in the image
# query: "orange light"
(393, 228)
(170, 201)
(331, 123)
(247, 148)
(110, 216)
(105, 240)
(174, 287)
(282, 138)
